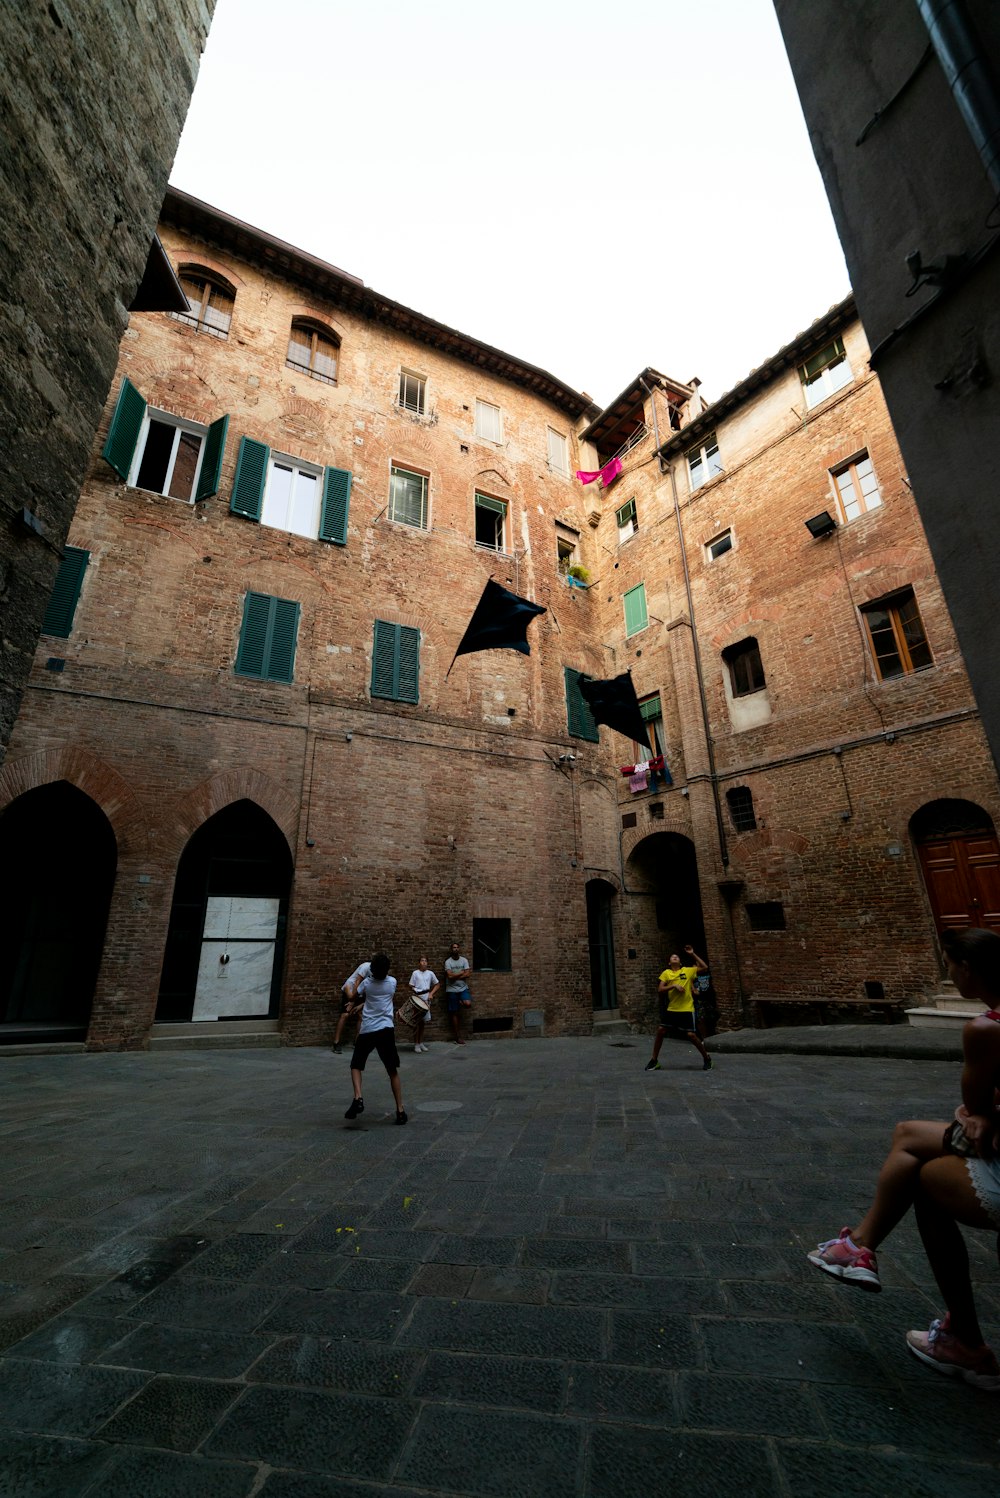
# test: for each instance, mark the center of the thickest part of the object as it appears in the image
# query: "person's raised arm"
(699, 962)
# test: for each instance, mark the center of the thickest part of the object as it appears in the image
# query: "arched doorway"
(600, 935)
(225, 945)
(58, 857)
(956, 843)
(664, 869)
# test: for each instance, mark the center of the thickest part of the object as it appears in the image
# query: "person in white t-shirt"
(348, 995)
(423, 985)
(377, 1033)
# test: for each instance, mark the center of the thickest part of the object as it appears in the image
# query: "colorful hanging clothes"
(638, 782)
(607, 474)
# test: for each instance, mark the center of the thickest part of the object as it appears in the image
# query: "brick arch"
(200, 255)
(746, 622)
(756, 842)
(91, 775)
(636, 835)
(320, 316)
(222, 790)
(893, 570)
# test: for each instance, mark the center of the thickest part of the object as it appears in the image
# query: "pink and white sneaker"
(941, 1350)
(842, 1257)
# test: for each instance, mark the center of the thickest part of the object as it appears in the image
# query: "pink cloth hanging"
(638, 782)
(607, 474)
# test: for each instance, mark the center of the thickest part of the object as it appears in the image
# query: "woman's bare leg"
(913, 1144)
(944, 1198)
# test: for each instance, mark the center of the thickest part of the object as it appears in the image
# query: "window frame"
(180, 425)
(654, 727)
(708, 460)
(636, 629)
(562, 468)
(482, 436)
(269, 646)
(504, 949)
(200, 276)
(824, 388)
(734, 658)
(406, 375)
(742, 812)
(861, 501)
(711, 555)
(397, 470)
(390, 644)
(892, 605)
(489, 504)
(622, 525)
(297, 466)
(316, 331)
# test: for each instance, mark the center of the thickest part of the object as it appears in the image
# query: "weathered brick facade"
(405, 823)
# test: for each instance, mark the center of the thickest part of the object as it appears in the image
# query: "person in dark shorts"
(676, 997)
(377, 1033)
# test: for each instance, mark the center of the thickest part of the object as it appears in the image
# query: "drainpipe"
(969, 77)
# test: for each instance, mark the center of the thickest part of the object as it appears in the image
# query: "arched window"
(313, 350)
(211, 301)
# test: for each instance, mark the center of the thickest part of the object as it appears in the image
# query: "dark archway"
(600, 935)
(664, 869)
(225, 946)
(959, 855)
(58, 857)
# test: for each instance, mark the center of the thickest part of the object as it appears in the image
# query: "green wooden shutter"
(251, 474)
(253, 635)
(281, 644)
(211, 462)
(636, 617)
(384, 656)
(579, 718)
(408, 665)
(65, 593)
(123, 434)
(336, 499)
(651, 709)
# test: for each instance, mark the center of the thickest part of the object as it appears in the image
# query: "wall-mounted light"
(821, 525)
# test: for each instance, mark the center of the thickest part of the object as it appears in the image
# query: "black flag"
(614, 702)
(500, 622)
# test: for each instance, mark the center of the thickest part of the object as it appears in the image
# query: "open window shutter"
(579, 718)
(65, 593)
(250, 656)
(281, 645)
(408, 665)
(336, 498)
(384, 656)
(251, 473)
(651, 710)
(123, 434)
(211, 463)
(636, 617)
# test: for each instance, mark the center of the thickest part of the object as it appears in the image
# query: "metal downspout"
(968, 75)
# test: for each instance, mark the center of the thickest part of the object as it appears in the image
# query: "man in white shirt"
(456, 988)
(348, 994)
(423, 985)
(377, 1033)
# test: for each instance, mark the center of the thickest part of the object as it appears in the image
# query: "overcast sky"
(591, 186)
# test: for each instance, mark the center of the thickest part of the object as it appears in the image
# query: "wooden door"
(962, 876)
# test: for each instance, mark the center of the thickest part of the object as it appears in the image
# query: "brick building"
(242, 762)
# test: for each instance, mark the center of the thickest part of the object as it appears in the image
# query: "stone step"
(217, 1027)
(248, 1040)
(932, 1018)
(609, 1022)
(44, 1048)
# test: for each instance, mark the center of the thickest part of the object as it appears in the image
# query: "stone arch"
(672, 822)
(90, 774)
(213, 795)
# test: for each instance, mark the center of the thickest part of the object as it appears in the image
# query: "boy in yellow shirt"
(676, 994)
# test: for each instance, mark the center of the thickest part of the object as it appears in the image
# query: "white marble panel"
(241, 917)
(241, 986)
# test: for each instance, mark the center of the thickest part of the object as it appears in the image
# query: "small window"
(266, 649)
(168, 456)
(396, 662)
(636, 617)
(62, 604)
(766, 915)
(313, 350)
(488, 425)
(412, 392)
(629, 819)
(628, 522)
(856, 487)
(825, 373)
(491, 522)
(896, 635)
(741, 810)
(293, 497)
(558, 451)
(490, 945)
(704, 462)
(579, 718)
(719, 545)
(211, 301)
(408, 497)
(566, 553)
(746, 670)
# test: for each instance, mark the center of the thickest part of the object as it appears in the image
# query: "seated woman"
(950, 1174)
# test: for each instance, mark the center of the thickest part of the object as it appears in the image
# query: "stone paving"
(564, 1276)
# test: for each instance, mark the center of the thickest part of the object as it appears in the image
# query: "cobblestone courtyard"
(565, 1276)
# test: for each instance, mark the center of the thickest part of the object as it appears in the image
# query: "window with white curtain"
(488, 422)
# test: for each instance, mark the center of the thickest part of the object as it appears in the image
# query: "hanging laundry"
(607, 474)
(638, 781)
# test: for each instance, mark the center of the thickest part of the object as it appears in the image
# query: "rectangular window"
(704, 462)
(652, 714)
(268, 634)
(636, 617)
(558, 451)
(168, 456)
(65, 593)
(488, 422)
(719, 545)
(408, 497)
(565, 553)
(896, 635)
(766, 915)
(628, 522)
(741, 810)
(491, 521)
(825, 373)
(412, 392)
(396, 662)
(856, 487)
(746, 669)
(292, 497)
(490, 945)
(579, 718)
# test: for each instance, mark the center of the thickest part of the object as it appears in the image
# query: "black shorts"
(383, 1041)
(680, 1021)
